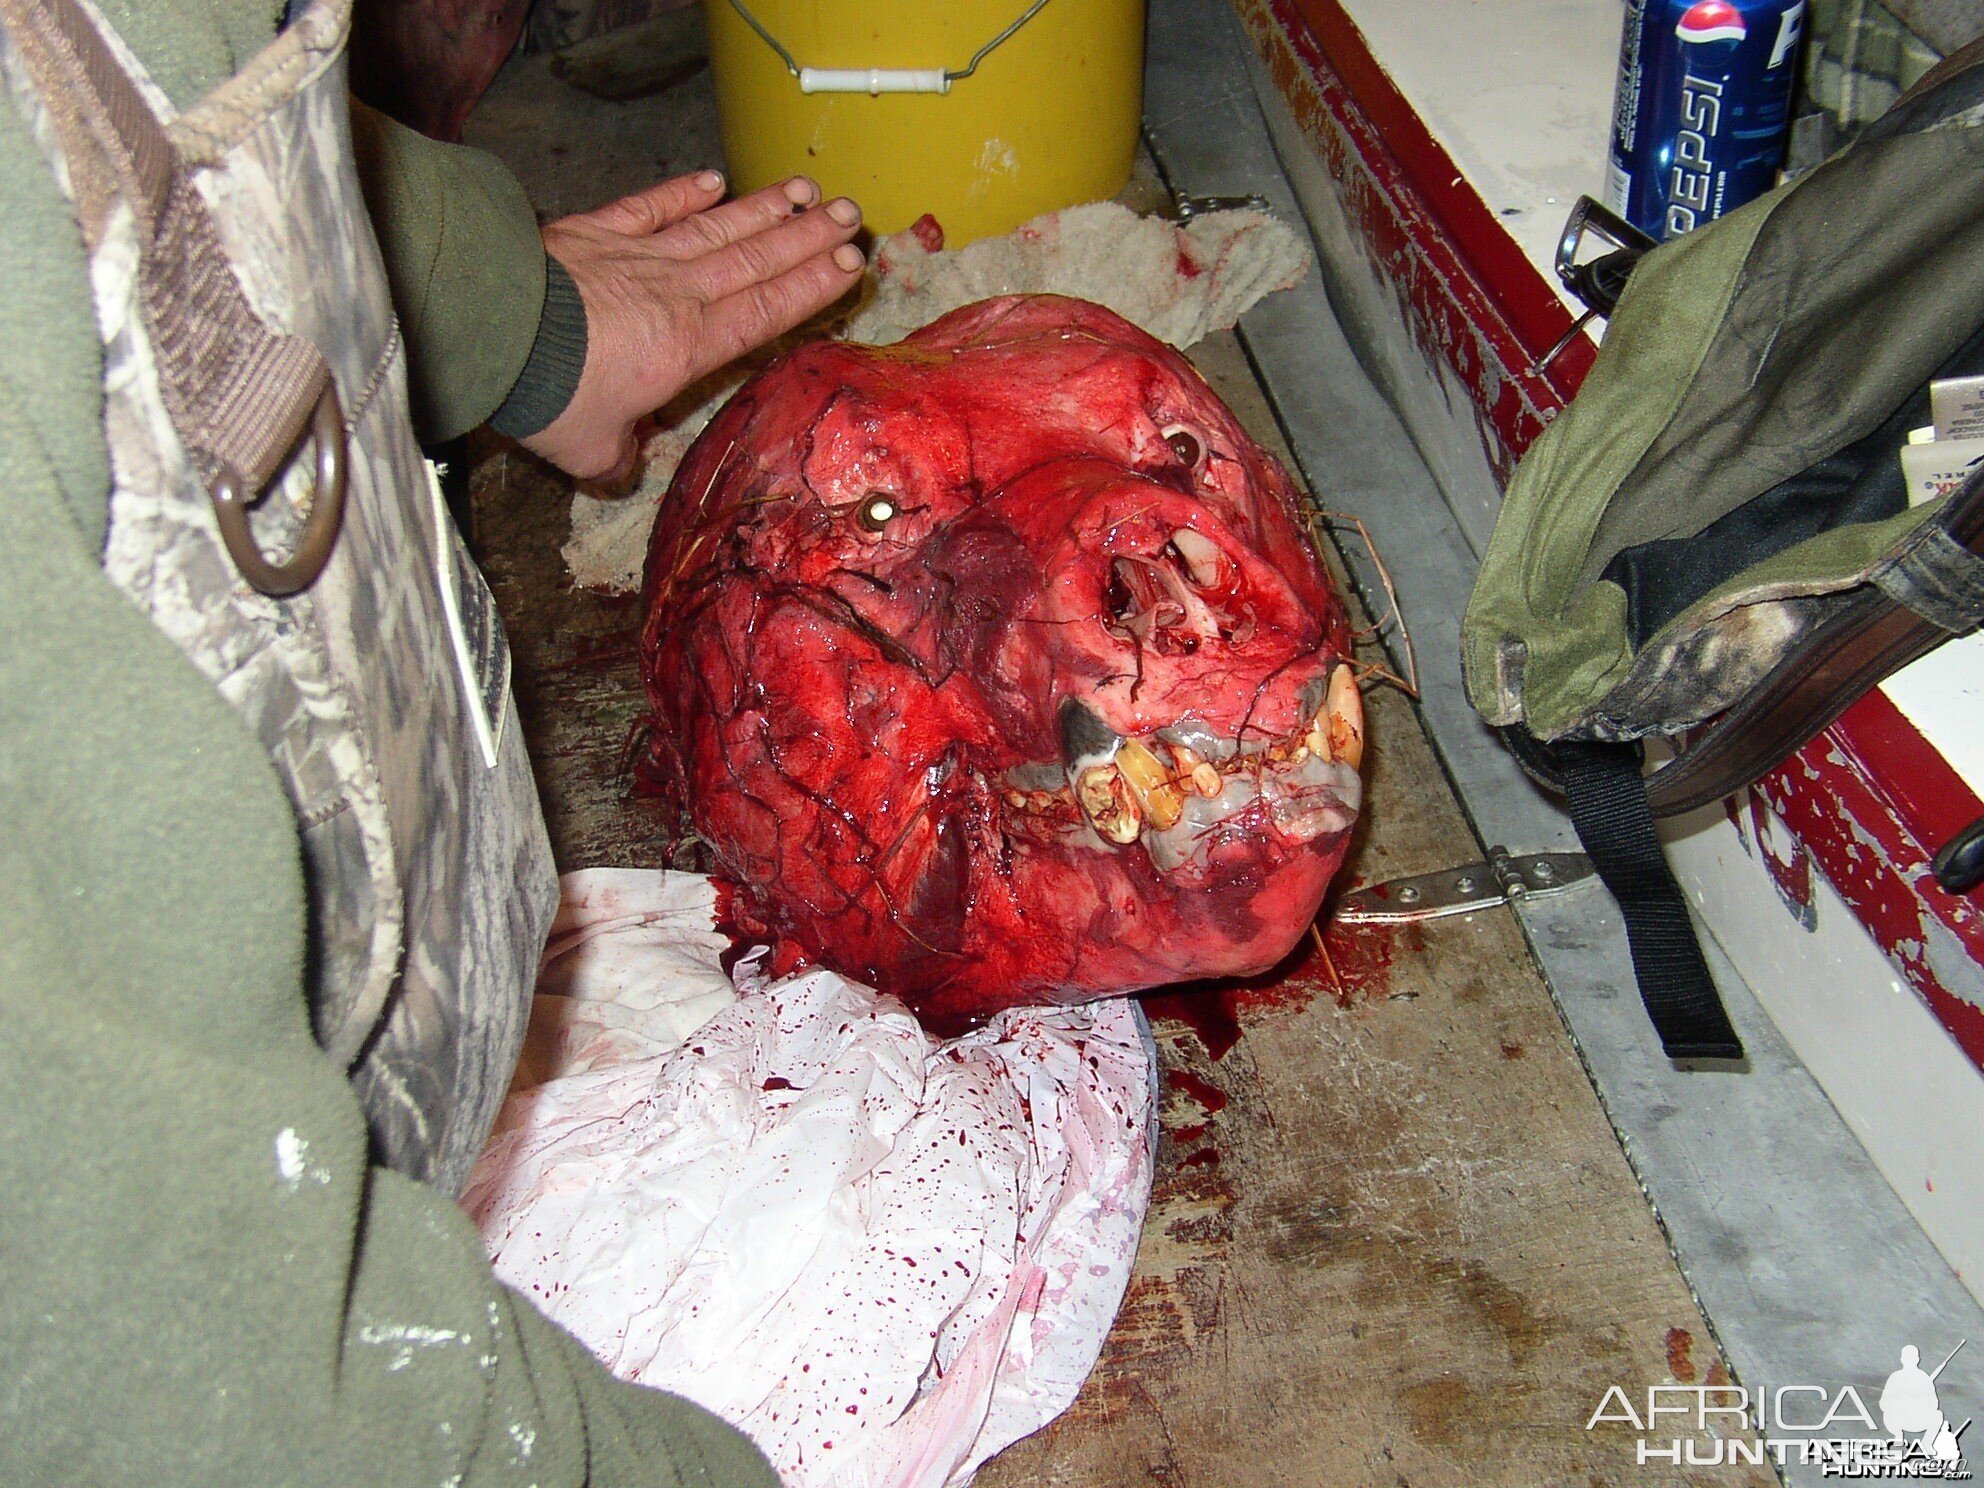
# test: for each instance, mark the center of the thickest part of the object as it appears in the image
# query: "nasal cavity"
(1184, 594)
(1135, 593)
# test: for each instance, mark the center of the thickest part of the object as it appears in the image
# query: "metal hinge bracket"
(1184, 208)
(1503, 879)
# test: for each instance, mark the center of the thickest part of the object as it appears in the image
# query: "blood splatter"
(1197, 1087)
(1681, 1355)
(928, 232)
(1208, 1014)
(1352, 965)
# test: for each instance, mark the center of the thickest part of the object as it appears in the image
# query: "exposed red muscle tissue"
(996, 667)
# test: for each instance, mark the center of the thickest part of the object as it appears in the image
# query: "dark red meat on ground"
(427, 62)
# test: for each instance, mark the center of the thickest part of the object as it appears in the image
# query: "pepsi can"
(1703, 109)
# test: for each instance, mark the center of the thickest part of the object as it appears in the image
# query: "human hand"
(675, 285)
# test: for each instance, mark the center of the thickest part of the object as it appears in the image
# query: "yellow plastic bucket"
(1049, 117)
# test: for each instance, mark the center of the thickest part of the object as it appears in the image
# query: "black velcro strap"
(1609, 809)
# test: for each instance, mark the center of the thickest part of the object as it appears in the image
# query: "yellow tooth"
(1016, 800)
(1343, 712)
(1318, 737)
(1109, 805)
(1206, 778)
(1152, 784)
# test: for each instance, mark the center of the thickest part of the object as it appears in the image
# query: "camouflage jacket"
(159, 1325)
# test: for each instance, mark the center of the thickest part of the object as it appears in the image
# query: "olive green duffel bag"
(1717, 535)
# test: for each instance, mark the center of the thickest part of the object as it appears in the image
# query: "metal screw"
(1408, 894)
(1465, 883)
(1543, 870)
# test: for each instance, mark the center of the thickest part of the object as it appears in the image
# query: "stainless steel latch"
(1503, 879)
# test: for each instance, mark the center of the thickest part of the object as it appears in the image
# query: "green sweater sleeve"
(467, 271)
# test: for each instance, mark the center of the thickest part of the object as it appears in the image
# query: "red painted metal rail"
(1871, 800)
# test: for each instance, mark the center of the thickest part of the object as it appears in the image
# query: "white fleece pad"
(1180, 282)
(882, 1255)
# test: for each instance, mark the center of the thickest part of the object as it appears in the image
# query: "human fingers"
(746, 320)
(660, 206)
(736, 220)
(776, 251)
(616, 476)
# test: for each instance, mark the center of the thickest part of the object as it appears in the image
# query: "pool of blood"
(1350, 965)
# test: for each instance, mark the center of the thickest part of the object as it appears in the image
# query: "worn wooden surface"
(577, 677)
(1393, 1239)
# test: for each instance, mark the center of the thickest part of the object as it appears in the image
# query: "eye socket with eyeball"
(876, 510)
(1185, 445)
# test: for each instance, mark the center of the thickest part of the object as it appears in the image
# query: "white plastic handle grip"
(874, 80)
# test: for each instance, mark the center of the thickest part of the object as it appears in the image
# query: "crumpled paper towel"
(881, 1255)
(1180, 282)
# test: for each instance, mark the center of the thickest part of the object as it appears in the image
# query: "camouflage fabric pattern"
(429, 873)
(1860, 56)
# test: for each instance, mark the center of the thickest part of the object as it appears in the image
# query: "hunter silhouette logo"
(1811, 1425)
(1910, 1407)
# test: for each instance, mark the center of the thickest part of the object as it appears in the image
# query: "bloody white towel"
(882, 1255)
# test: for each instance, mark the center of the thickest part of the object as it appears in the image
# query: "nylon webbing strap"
(1609, 809)
(239, 394)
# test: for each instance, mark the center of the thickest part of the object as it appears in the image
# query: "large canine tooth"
(1086, 741)
(1109, 804)
(1151, 783)
(1343, 717)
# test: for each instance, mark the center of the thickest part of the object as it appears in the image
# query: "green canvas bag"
(1716, 536)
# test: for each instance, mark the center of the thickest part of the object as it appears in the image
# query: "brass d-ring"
(313, 549)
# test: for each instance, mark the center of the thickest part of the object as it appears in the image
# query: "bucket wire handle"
(877, 80)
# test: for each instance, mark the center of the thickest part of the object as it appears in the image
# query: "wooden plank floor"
(1393, 1241)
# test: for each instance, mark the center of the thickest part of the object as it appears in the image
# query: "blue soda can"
(1703, 108)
